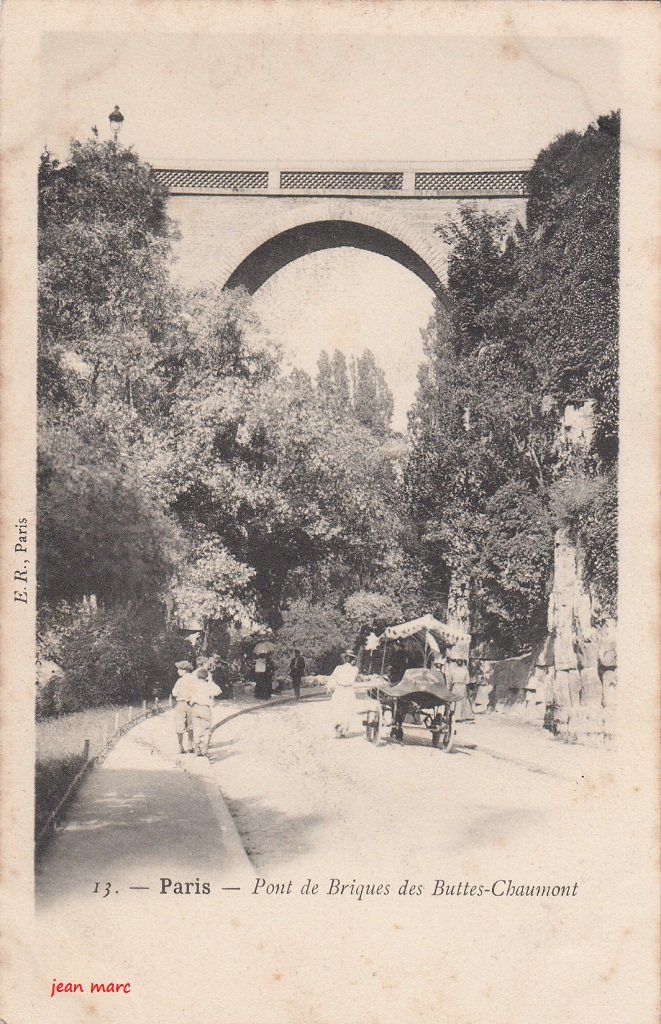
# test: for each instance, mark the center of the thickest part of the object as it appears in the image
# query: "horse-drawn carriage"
(425, 697)
(420, 701)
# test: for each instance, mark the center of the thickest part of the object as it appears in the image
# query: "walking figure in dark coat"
(297, 671)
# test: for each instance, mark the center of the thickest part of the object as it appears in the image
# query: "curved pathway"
(296, 793)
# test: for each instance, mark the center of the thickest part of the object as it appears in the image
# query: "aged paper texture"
(366, 882)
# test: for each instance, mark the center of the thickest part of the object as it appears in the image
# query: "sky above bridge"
(209, 98)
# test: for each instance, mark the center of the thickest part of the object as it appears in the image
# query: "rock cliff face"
(569, 685)
(574, 681)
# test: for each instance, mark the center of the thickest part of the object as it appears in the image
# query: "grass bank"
(61, 753)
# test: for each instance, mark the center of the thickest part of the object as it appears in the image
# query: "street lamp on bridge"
(116, 118)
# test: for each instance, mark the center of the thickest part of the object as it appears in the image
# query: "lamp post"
(116, 118)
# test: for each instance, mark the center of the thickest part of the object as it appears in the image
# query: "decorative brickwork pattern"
(330, 180)
(493, 182)
(214, 179)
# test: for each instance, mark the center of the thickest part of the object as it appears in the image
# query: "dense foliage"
(179, 467)
(534, 328)
(319, 630)
(358, 391)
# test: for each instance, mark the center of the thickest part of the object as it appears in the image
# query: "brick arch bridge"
(240, 225)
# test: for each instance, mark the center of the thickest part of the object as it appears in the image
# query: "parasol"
(265, 647)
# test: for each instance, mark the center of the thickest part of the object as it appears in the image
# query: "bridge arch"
(312, 236)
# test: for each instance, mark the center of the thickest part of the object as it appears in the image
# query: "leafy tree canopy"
(359, 391)
(104, 243)
(534, 327)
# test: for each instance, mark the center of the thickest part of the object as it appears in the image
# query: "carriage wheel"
(373, 726)
(448, 734)
(443, 738)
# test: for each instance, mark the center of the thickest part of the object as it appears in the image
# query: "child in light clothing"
(201, 694)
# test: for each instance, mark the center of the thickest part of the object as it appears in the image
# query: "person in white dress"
(343, 699)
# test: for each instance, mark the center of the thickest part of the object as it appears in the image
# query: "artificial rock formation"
(574, 681)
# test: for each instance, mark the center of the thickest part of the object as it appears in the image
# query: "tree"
(515, 562)
(372, 612)
(480, 272)
(341, 391)
(104, 243)
(98, 532)
(567, 299)
(373, 402)
(324, 380)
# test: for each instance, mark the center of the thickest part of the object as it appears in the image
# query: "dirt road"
(302, 797)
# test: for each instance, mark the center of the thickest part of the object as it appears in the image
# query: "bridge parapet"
(450, 181)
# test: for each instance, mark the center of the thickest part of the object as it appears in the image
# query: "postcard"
(330, 477)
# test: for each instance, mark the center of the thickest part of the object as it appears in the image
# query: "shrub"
(121, 655)
(319, 631)
(52, 779)
(46, 705)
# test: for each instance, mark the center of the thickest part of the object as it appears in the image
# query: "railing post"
(86, 751)
(144, 707)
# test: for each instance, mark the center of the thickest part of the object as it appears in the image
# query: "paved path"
(145, 813)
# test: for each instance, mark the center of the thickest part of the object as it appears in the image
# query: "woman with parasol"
(264, 669)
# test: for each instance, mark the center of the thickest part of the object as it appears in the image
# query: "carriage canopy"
(424, 626)
(424, 685)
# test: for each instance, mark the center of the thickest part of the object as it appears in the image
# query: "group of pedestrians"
(194, 693)
(264, 675)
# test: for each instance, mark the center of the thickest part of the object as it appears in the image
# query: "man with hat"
(343, 700)
(183, 721)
